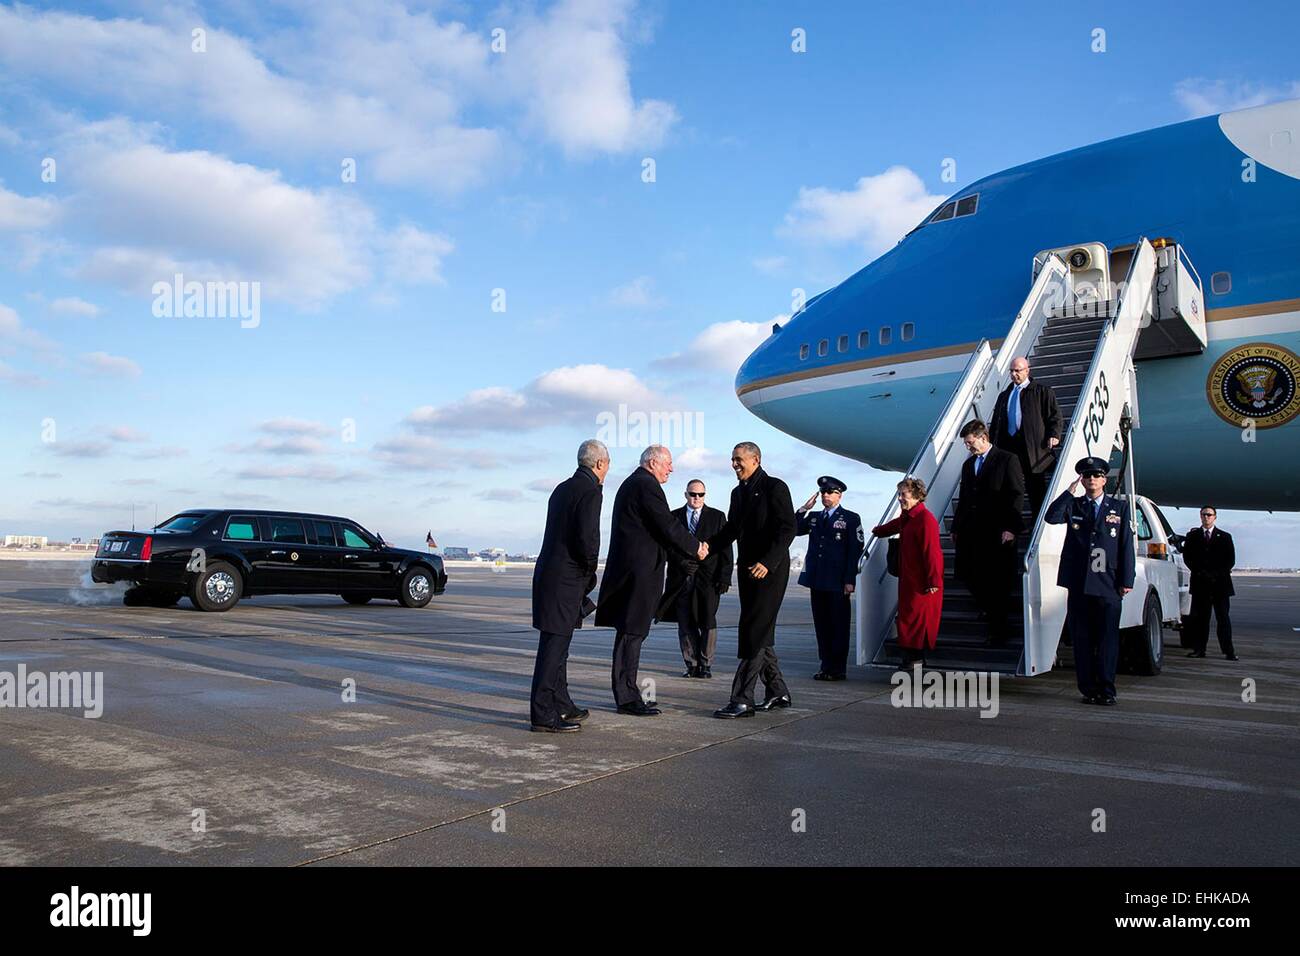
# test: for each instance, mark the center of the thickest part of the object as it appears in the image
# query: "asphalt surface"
(238, 721)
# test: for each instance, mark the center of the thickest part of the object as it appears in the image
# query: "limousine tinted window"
(324, 532)
(182, 523)
(353, 540)
(287, 531)
(241, 529)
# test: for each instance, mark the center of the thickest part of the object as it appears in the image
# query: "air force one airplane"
(865, 367)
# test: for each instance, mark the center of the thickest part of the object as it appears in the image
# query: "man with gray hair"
(642, 533)
(564, 576)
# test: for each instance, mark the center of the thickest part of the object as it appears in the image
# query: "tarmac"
(226, 739)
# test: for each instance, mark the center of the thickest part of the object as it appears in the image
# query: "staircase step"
(1004, 660)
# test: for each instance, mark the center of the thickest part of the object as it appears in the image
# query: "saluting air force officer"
(834, 546)
(1097, 566)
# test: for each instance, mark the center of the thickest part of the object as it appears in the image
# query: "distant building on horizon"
(456, 554)
(26, 541)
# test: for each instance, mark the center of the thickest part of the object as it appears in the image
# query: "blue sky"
(379, 382)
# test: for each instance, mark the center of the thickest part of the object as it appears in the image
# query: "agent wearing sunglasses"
(1210, 557)
(695, 588)
(1098, 568)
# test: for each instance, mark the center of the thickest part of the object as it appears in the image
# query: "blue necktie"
(1013, 411)
(979, 463)
(693, 514)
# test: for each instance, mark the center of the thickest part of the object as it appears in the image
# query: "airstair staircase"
(1081, 334)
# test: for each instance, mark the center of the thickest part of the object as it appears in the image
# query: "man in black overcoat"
(989, 516)
(760, 521)
(1210, 555)
(642, 533)
(564, 575)
(1027, 422)
(694, 588)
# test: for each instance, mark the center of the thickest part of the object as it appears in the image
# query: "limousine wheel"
(356, 598)
(417, 587)
(218, 588)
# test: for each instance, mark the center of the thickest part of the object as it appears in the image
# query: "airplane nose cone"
(753, 370)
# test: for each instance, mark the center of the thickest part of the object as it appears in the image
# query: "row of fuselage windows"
(279, 530)
(885, 337)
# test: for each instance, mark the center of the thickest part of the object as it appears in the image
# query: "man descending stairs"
(1060, 359)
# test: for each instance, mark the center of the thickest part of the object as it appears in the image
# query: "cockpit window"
(953, 209)
(945, 212)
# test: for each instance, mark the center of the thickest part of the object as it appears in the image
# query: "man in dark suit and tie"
(1027, 422)
(642, 534)
(1210, 556)
(1097, 568)
(564, 575)
(694, 587)
(989, 517)
(760, 520)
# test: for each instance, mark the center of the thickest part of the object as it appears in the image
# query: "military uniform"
(835, 542)
(1097, 565)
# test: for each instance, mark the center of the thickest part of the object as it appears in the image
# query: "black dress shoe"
(734, 710)
(704, 672)
(773, 703)
(1106, 701)
(821, 675)
(559, 727)
(574, 716)
(834, 677)
(691, 671)
(1230, 657)
(639, 709)
(1089, 699)
(1196, 654)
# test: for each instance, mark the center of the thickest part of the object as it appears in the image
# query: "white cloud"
(292, 445)
(571, 68)
(107, 364)
(637, 294)
(377, 82)
(397, 112)
(125, 433)
(877, 212)
(79, 449)
(722, 345)
(412, 255)
(1202, 97)
(425, 454)
(770, 265)
(72, 305)
(18, 377)
(295, 426)
(152, 214)
(25, 213)
(14, 333)
(701, 460)
(316, 472)
(562, 395)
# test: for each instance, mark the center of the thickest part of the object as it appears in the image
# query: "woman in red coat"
(920, 571)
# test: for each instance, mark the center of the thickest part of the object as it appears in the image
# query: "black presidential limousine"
(216, 557)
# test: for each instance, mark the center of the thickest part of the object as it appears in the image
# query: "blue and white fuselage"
(1226, 188)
